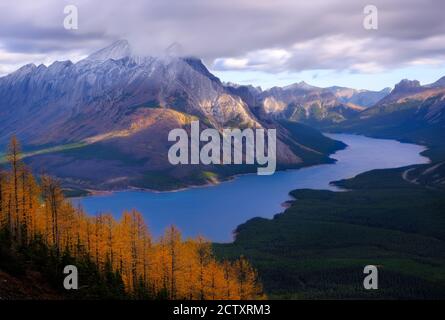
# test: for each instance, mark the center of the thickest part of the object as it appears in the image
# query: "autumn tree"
(120, 252)
(53, 199)
(248, 285)
(13, 157)
(203, 251)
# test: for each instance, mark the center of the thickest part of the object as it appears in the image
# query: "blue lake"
(215, 211)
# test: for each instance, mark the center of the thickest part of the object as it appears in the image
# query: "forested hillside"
(41, 232)
(317, 248)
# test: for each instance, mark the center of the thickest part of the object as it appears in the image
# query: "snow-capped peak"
(117, 50)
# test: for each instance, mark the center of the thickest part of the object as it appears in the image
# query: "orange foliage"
(171, 267)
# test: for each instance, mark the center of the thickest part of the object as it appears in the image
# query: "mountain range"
(103, 122)
(411, 113)
(305, 103)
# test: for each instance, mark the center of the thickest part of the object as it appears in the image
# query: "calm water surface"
(215, 211)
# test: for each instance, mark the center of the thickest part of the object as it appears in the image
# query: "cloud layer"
(271, 36)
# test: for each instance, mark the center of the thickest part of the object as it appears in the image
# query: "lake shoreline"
(98, 192)
(215, 212)
(95, 192)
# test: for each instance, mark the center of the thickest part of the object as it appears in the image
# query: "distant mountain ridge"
(411, 112)
(306, 103)
(427, 103)
(363, 98)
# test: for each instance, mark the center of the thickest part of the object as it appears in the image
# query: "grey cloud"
(241, 30)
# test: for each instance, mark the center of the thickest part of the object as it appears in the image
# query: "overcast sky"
(263, 42)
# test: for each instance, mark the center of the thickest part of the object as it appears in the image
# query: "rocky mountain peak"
(117, 50)
(25, 70)
(406, 85)
(300, 85)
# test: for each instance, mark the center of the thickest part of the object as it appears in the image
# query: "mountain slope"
(101, 94)
(103, 122)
